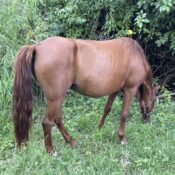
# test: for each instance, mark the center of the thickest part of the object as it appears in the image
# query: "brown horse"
(92, 68)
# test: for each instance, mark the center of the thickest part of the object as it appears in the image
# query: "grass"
(150, 149)
(151, 146)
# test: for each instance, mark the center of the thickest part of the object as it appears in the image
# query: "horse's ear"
(157, 89)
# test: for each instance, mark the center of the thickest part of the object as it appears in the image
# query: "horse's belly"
(96, 87)
(99, 72)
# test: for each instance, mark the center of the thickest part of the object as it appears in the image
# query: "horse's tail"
(22, 93)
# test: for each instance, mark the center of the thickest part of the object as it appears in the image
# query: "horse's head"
(147, 100)
(151, 100)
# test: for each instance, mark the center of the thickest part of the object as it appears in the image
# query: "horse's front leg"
(107, 108)
(128, 95)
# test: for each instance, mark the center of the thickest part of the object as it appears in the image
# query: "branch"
(163, 96)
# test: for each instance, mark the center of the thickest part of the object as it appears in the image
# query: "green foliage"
(149, 21)
(153, 13)
(19, 24)
(117, 24)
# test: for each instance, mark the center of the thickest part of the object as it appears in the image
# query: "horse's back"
(104, 67)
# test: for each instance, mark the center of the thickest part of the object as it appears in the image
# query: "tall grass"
(19, 25)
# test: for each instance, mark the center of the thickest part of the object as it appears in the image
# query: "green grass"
(150, 149)
(151, 146)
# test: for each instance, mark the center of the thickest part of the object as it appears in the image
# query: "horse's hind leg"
(53, 114)
(107, 109)
(128, 95)
(64, 132)
(48, 121)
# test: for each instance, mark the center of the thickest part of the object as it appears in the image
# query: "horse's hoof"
(146, 120)
(124, 141)
(73, 143)
(100, 124)
(53, 153)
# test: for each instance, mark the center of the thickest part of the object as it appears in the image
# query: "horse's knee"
(46, 123)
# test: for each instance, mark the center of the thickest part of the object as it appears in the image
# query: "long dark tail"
(22, 94)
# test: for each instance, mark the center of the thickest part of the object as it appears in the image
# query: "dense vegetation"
(150, 22)
(151, 146)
